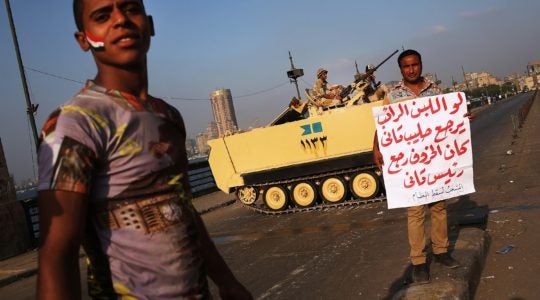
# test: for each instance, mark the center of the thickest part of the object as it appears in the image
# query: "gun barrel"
(389, 56)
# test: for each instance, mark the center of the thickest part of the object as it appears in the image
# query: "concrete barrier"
(14, 232)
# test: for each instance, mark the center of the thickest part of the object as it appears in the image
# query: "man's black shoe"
(420, 274)
(446, 260)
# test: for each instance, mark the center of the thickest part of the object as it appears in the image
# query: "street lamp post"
(31, 108)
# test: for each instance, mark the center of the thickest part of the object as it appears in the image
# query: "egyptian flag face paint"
(95, 42)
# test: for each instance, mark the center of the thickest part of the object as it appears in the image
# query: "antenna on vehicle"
(293, 74)
(356, 66)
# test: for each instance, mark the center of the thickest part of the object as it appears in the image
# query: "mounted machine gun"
(362, 84)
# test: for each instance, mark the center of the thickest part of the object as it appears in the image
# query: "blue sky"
(243, 45)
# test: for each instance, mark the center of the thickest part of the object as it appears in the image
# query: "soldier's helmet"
(370, 67)
(320, 71)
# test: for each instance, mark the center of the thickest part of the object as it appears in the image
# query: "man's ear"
(151, 24)
(80, 37)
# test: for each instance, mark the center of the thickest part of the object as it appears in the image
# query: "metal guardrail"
(200, 177)
(199, 173)
(519, 118)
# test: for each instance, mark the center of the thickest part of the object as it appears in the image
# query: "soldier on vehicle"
(325, 93)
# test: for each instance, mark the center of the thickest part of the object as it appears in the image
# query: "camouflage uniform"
(322, 88)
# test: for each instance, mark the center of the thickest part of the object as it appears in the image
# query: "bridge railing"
(519, 118)
(200, 177)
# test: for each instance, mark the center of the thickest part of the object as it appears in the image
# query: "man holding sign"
(427, 157)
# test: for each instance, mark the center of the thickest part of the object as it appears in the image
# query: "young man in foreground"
(113, 177)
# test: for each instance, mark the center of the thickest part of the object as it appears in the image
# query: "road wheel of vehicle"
(304, 194)
(275, 197)
(247, 194)
(364, 185)
(333, 190)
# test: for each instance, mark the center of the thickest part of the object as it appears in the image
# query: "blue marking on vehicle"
(307, 129)
(317, 127)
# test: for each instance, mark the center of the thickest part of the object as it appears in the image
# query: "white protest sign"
(427, 150)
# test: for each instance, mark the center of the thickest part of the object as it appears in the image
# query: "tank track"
(262, 209)
(322, 206)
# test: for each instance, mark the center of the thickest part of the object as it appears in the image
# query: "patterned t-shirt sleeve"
(67, 153)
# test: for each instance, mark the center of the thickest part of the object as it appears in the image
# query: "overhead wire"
(167, 97)
(307, 83)
(53, 75)
(235, 97)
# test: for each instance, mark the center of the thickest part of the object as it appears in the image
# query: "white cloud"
(439, 29)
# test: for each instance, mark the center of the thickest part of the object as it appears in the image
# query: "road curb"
(16, 277)
(470, 250)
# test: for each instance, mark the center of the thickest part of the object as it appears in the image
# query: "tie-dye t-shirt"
(127, 155)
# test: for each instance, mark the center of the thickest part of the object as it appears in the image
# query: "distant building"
(202, 143)
(7, 189)
(515, 79)
(533, 74)
(511, 77)
(212, 130)
(530, 82)
(480, 79)
(533, 67)
(190, 147)
(223, 110)
(459, 86)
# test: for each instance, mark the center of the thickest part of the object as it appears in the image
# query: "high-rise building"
(212, 130)
(223, 110)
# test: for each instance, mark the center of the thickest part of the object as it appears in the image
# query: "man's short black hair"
(407, 53)
(77, 13)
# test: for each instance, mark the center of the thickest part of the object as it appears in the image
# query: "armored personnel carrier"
(310, 156)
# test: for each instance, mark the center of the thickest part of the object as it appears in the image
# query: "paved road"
(350, 253)
(511, 190)
(347, 253)
(25, 289)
